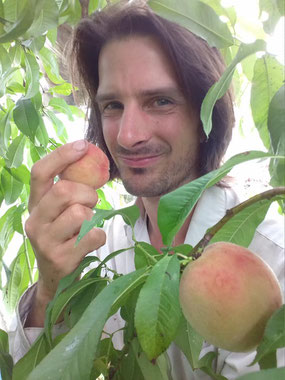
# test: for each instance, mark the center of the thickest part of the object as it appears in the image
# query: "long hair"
(197, 66)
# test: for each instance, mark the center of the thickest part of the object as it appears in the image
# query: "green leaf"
(274, 336)
(196, 16)
(271, 8)
(240, 229)
(5, 131)
(267, 80)
(15, 153)
(61, 106)
(174, 207)
(206, 365)
(17, 221)
(156, 326)
(11, 187)
(29, 361)
(21, 174)
(32, 77)
(130, 215)
(22, 24)
(158, 369)
(6, 227)
(276, 374)
(189, 342)
(19, 279)
(219, 89)
(46, 18)
(73, 357)
(96, 4)
(145, 255)
(50, 65)
(41, 134)
(6, 361)
(26, 118)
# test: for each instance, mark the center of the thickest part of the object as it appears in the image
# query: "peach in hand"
(92, 169)
(228, 295)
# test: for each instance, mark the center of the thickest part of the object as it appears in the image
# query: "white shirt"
(268, 243)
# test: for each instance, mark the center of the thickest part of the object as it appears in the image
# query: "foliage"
(35, 95)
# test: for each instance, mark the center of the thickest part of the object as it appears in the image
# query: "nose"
(134, 127)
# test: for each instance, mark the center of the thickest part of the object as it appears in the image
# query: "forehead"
(134, 62)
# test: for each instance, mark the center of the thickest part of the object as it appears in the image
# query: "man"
(146, 78)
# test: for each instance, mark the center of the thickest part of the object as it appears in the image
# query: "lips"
(139, 161)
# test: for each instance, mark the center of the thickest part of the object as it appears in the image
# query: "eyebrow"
(170, 91)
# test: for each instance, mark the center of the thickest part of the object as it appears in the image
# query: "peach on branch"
(228, 295)
(92, 169)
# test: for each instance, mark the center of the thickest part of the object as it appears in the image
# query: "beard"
(148, 182)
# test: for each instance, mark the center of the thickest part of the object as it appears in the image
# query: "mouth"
(139, 161)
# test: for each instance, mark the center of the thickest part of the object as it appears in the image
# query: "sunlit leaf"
(15, 152)
(196, 16)
(267, 80)
(219, 89)
(11, 187)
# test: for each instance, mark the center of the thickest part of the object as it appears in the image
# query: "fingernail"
(79, 145)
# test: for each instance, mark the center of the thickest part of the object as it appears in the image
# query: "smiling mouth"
(139, 161)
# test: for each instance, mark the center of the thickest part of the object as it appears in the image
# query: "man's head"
(194, 67)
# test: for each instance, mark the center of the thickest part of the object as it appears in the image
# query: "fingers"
(44, 170)
(62, 195)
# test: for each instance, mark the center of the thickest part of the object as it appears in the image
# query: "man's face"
(150, 131)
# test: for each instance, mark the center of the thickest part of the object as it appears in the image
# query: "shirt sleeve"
(21, 338)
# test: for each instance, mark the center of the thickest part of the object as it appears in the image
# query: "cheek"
(109, 133)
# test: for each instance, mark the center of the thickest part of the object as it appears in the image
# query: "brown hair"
(196, 64)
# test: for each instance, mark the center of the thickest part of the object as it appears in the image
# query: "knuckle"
(36, 171)
(62, 189)
(29, 227)
(79, 212)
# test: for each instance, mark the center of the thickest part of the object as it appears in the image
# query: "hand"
(57, 211)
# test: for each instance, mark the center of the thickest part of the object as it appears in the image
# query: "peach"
(92, 169)
(228, 295)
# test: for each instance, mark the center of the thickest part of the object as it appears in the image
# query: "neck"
(151, 205)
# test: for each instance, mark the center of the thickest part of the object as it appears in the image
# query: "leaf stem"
(197, 250)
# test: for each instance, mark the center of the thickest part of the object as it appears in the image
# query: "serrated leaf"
(219, 89)
(26, 118)
(196, 16)
(240, 229)
(158, 312)
(15, 152)
(72, 358)
(268, 78)
(174, 207)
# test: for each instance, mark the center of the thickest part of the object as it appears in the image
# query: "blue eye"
(162, 102)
